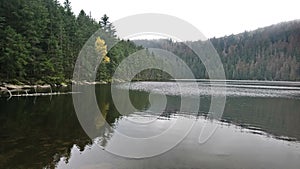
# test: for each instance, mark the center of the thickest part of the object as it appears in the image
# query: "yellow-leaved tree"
(101, 48)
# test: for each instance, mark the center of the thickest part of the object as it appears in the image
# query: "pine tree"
(14, 55)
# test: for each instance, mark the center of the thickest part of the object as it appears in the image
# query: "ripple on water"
(205, 89)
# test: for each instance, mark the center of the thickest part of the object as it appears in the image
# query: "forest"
(270, 53)
(40, 41)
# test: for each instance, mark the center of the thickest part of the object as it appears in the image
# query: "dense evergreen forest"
(270, 53)
(41, 39)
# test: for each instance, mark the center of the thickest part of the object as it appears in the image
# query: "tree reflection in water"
(40, 134)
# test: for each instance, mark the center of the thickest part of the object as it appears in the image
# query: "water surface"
(260, 128)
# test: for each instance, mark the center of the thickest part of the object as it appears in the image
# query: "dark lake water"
(260, 128)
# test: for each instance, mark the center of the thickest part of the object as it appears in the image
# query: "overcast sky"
(214, 18)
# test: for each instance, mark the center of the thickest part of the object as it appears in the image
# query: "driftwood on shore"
(9, 90)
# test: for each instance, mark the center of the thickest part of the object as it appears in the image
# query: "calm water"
(260, 128)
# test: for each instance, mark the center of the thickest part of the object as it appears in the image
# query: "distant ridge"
(268, 53)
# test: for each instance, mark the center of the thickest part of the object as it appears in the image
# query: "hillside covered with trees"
(270, 53)
(41, 39)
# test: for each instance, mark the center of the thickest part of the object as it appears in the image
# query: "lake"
(260, 128)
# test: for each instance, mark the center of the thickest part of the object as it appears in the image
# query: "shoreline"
(9, 90)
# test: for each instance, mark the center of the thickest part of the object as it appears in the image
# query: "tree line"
(270, 53)
(41, 39)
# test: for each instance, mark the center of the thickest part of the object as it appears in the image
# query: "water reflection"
(37, 135)
(255, 132)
